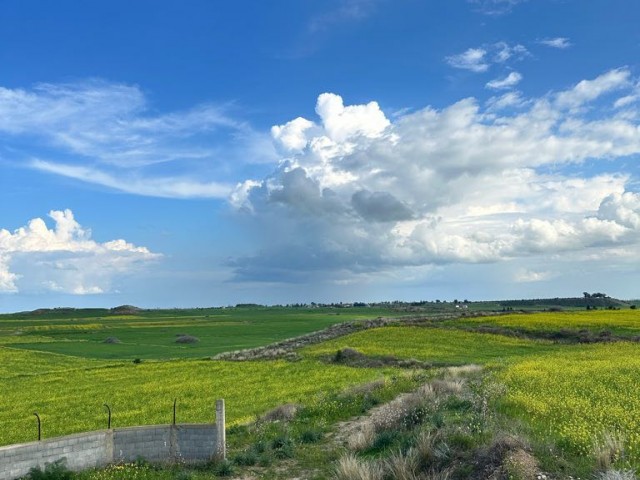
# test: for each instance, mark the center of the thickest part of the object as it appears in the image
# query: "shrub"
(223, 468)
(282, 447)
(247, 458)
(310, 436)
(52, 471)
(384, 440)
(187, 339)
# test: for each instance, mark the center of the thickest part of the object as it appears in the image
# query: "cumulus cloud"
(64, 258)
(361, 193)
(557, 42)
(505, 83)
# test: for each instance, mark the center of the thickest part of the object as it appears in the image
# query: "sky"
(204, 153)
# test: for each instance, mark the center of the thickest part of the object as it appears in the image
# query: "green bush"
(52, 471)
(310, 436)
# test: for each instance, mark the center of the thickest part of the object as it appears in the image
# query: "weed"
(223, 468)
(608, 450)
(246, 458)
(310, 436)
(52, 471)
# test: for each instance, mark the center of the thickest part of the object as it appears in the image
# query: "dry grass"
(608, 450)
(617, 475)
(463, 370)
(426, 448)
(351, 468)
(366, 388)
(402, 467)
(448, 386)
(282, 413)
(362, 438)
(520, 465)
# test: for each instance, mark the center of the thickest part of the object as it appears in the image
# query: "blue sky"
(199, 153)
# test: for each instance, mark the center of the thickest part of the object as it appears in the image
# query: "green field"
(152, 334)
(434, 345)
(567, 397)
(618, 322)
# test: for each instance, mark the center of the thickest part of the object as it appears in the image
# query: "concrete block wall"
(152, 443)
(195, 441)
(157, 443)
(84, 450)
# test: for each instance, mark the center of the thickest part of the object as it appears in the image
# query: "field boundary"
(155, 443)
(286, 348)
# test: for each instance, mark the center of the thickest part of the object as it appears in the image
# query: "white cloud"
(167, 187)
(473, 59)
(347, 11)
(342, 123)
(495, 7)
(507, 82)
(504, 52)
(110, 130)
(589, 90)
(64, 258)
(507, 100)
(621, 208)
(455, 185)
(557, 42)
(480, 59)
(291, 136)
(527, 276)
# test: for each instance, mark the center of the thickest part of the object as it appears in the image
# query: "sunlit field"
(434, 345)
(621, 322)
(69, 393)
(579, 394)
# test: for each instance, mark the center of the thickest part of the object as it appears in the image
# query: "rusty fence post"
(109, 420)
(39, 426)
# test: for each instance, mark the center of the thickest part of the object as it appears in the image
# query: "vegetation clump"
(188, 339)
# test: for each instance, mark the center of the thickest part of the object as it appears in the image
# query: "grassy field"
(578, 395)
(69, 393)
(618, 322)
(434, 345)
(150, 334)
(569, 398)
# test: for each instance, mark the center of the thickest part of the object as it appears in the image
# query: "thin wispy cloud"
(558, 42)
(107, 134)
(505, 83)
(164, 187)
(346, 11)
(480, 59)
(474, 59)
(495, 7)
